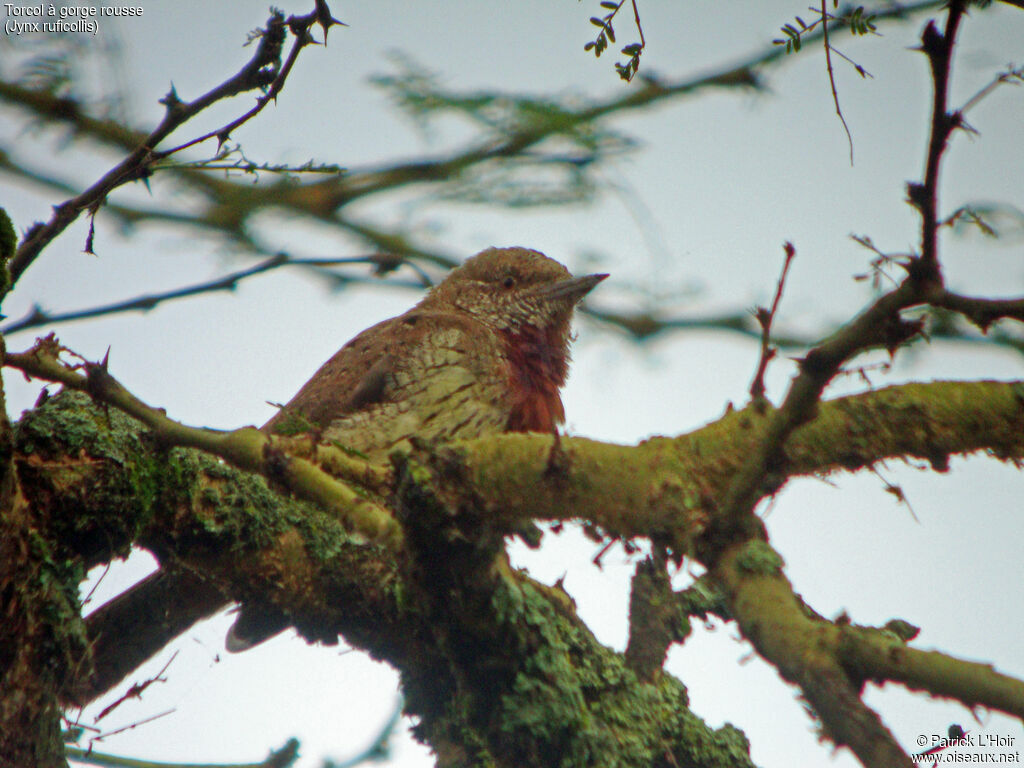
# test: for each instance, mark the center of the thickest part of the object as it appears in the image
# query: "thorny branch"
(262, 71)
(246, 448)
(938, 47)
(765, 317)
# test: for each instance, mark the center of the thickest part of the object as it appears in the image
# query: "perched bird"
(486, 351)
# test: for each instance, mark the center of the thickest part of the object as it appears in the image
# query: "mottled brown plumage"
(486, 351)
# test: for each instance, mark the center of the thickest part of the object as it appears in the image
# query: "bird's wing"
(434, 375)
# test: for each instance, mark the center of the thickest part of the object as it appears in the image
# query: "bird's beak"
(572, 288)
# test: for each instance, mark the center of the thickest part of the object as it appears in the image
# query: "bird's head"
(511, 289)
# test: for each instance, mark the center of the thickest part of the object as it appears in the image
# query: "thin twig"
(136, 689)
(938, 47)
(37, 317)
(130, 726)
(831, 75)
(136, 165)
(1013, 75)
(639, 26)
(281, 758)
(764, 319)
(299, 27)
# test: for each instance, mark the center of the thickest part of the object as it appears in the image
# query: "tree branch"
(980, 311)
(401, 611)
(802, 648)
(664, 488)
(130, 629)
(874, 656)
(382, 263)
(938, 47)
(262, 70)
(247, 448)
(114, 485)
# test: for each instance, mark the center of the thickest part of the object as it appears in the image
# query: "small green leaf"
(596, 21)
(610, 6)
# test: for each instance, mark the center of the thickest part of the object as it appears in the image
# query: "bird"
(486, 351)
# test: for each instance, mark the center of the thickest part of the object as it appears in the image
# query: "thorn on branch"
(932, 41)
(917, 195)
(174, 105)
(764, 319)
(100, 385)
(91, 236)
(324, 18)
(898, 332)
(903, 629)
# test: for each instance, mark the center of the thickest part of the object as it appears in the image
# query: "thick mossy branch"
(882, 656)
(41, 633)
(930, 421)
(831, 661)
(533, 687)
(504, 665)
(803, 649)
(666, 487)
(504, 638)
(529, 682)
(247, 448)
(99, 483)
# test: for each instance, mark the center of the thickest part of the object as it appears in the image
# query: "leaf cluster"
(600, 44)
(857, 20)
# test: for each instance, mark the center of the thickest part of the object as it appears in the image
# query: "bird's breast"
(538, 362)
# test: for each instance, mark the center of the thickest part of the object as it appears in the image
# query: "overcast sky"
(694, 219)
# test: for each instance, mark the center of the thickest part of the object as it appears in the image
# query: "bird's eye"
(509, 282)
